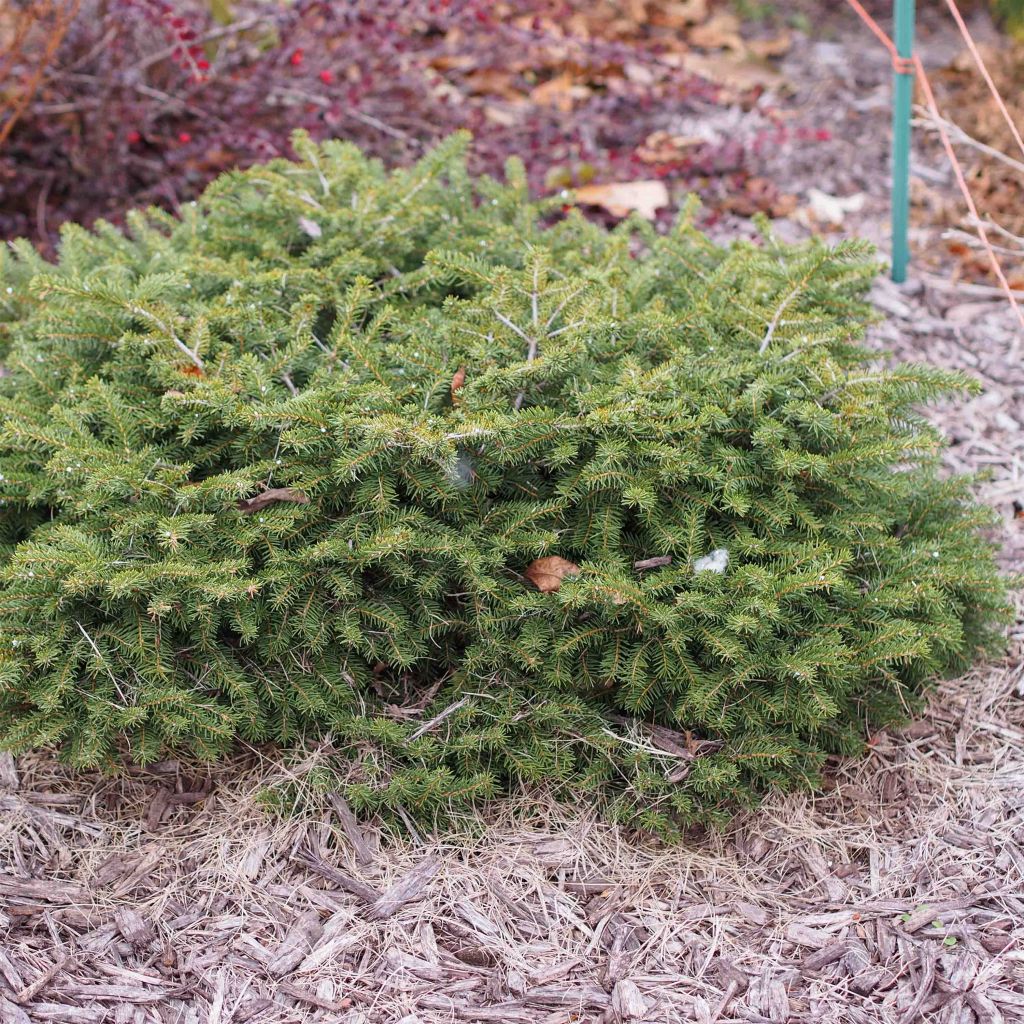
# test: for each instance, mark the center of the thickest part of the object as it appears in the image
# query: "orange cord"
(877, 29)
(903, 65)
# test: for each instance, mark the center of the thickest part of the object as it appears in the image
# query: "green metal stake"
(903, 95)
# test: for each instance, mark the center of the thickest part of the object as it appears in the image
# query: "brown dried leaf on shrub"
(622, 198)
(547, 573)
(457, 381)
(269, 497)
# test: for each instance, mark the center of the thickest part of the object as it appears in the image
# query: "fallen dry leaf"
(638, 74)
(722, 32)
(636, 10)
(492, 82)
(453, 61)
(560, 92)
(825, 209)
(505, 116)
(622, 198)
(775, 46)
(663, 147)
(680, 14)
(733, 72)
(546, 574)
(447, 92)
(760, 195)
(268, 497)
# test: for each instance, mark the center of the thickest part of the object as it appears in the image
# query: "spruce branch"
(170, 333)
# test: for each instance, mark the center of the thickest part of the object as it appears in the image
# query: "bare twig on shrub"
(957, 134)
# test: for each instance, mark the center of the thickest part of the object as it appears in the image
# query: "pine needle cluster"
(487, 493)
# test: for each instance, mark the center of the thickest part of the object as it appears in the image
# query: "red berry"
(133, 137)
(327, 76)
(296, 58)
(203, 65)
(184, 137)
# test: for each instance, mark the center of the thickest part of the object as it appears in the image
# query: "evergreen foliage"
(281, 467)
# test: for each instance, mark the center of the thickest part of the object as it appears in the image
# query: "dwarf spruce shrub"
(489, 494)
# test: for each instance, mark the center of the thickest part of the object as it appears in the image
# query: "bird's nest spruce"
(485, 492)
